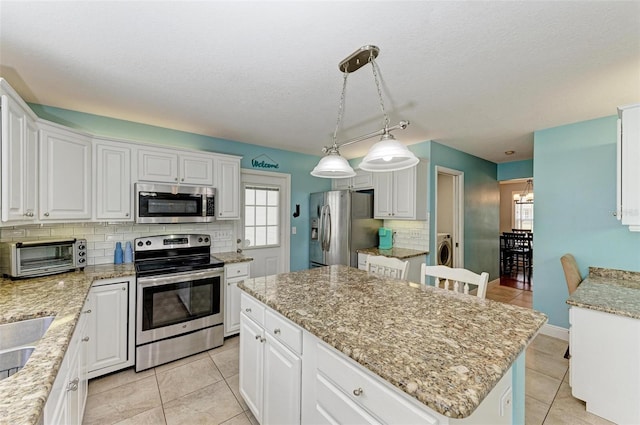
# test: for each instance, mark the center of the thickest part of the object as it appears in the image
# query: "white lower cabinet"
(605, 371)
(68, 395)
(270, 371)
(234, 273)
(111, 325)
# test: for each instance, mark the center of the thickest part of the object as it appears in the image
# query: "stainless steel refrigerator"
(341, 222)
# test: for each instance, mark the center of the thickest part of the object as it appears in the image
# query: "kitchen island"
(604, 340)
(439, 350)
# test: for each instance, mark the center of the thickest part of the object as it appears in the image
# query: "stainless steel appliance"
(341, 222)
(163, 203)
(179, 306)
(42, 257)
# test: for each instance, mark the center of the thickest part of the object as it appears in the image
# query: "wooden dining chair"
(455, 279)
(387, 266)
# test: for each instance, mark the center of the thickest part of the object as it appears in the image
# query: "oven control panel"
(163, 242)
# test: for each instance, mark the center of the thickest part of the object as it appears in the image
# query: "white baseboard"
(555, 332)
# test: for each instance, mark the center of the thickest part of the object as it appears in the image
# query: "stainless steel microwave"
(42, 257)
(163, 203)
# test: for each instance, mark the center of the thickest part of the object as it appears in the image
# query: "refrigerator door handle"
(321, 228)
(327, 227)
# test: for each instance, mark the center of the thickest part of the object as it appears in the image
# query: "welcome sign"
(264, 161)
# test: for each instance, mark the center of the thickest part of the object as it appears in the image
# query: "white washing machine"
(445, 250)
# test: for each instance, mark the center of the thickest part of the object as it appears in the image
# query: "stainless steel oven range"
(179, 307)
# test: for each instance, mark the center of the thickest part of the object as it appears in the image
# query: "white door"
(264, 227)
(251, 365)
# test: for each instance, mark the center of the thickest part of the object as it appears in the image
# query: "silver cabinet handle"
(73, 385)
(248, 310)
(262, 339)
(124, 289)
(182, 179)
(46, 214)
(258, 337)
(176, 179)
(126, 215)
(87, 311)
(276, 331)
(358, 392)
(85, 339)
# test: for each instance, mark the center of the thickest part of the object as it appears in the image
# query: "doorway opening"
(449, 217)
(516, 233)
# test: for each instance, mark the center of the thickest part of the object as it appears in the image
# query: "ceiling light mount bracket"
(359, 58)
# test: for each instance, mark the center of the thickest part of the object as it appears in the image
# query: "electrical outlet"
(506, 402)
(415, 234)
(294, 230)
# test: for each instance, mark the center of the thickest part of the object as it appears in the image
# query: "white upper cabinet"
(112, 187)
(170, 166)
(227, 188)
(628, 178)
(402, 194)
(362, 180)
(19, 159)
(65, 173)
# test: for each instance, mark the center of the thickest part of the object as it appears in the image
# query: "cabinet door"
(228, 188)
(232, 307)
(383, 199)
(282, 378)
(19, 162)
(341, 184)
(404, 193)
(629, 158)
(362, 180)
(196, 170)
(65, 179)
(157, 165)
(251, 365)
(113, 182)
(108, 325)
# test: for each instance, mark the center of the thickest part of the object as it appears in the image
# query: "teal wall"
(515, 170)
(481, 208)
(575, 179)
(296, 164)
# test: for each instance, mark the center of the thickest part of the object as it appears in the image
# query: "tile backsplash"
(102, 237)
(410, 234)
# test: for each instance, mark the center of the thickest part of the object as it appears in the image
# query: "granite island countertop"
(401, 253)
(24, 394)
(611, 291)
(445, 349)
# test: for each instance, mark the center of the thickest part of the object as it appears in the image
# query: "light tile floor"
(203, 389)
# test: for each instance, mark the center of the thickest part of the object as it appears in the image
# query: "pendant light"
(386, 155)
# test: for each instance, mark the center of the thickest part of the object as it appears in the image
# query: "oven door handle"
(178, 277)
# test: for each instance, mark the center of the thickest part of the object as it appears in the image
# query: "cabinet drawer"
(284, 331)
(252, 308)
(384, 403)
(236, 270)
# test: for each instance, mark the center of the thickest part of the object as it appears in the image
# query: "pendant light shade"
(333, 166)
(388, 155)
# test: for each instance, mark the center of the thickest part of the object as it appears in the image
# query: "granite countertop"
(23, 395)
(401, 253)
(231, 257)
(447, 350)
(611, 291)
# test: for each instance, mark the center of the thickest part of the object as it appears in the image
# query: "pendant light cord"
(375, 68)
(340, 110)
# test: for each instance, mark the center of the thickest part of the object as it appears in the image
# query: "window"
(261, 212)
(523, 215)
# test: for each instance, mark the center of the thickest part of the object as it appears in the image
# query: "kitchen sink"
(17, 342)
(12, 361)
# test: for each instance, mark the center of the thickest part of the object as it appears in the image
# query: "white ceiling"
(477, 76)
